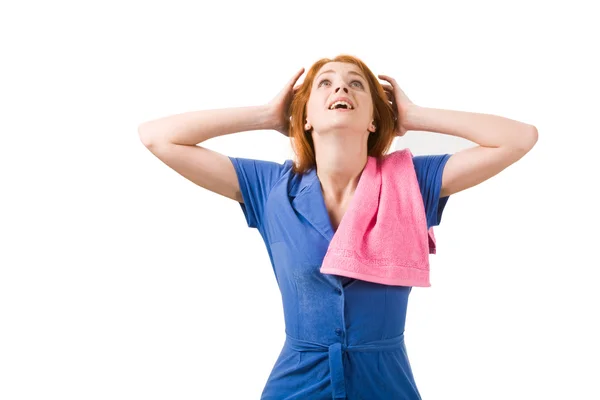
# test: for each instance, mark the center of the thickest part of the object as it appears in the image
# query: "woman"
(336, 118)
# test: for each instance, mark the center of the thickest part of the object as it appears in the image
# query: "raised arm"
(174, 140)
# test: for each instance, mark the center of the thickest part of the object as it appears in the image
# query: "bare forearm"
(484, 129)
(198, 126)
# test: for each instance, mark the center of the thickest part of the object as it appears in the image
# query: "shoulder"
(426, 166)
(257, 180)
(430, 166)
(260, 171)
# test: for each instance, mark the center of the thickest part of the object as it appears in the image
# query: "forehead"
(339, 67)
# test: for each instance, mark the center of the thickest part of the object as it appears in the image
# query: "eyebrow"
(350, 72)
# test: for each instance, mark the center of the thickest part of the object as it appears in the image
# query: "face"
(337, 79)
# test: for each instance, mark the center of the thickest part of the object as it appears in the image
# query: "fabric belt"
(335, 350)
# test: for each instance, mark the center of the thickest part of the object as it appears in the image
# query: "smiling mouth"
(341, 107)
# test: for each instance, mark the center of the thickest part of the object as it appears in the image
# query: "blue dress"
(344, 336)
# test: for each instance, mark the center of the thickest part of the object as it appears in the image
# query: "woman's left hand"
(400, 102)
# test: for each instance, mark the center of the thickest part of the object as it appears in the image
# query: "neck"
(340, 162)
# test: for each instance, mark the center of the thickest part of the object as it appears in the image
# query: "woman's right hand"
(279, 106)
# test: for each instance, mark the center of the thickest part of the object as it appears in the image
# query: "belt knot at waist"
(335, 350)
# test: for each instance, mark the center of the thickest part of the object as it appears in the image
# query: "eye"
(327, 80)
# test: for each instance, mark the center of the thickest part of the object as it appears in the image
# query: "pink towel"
(383, 236)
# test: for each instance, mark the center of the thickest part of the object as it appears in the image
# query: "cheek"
(314, 108)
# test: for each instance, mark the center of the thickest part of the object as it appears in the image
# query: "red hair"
(379, 141)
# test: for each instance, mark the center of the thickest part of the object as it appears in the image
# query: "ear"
(372, 127)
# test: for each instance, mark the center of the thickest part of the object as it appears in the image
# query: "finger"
(389, 91)
(297, 75)
(388, 78)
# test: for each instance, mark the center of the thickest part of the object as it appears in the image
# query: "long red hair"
(379, 141)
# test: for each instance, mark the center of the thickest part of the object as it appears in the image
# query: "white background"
(120, 279)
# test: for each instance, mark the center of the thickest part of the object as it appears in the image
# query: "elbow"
(528, 138)
(532, 137)
(524, 139)
(150, 134)
(145, 135)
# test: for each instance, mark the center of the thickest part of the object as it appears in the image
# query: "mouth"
(341, 108)
(341, 104)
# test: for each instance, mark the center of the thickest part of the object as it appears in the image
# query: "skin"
(340, 138)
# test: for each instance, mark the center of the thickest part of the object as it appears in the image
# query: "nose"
(344, 88)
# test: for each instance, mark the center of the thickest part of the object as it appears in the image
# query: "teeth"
(340, 102)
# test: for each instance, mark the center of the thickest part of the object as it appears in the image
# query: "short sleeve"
(256, 179)
(429, 170)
